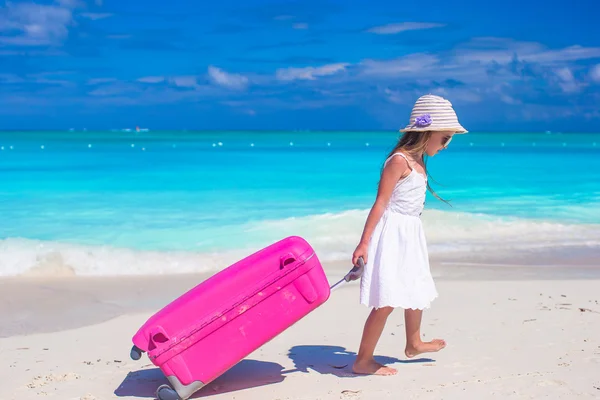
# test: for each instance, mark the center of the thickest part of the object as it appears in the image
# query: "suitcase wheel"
(164, 392)
(135, 353)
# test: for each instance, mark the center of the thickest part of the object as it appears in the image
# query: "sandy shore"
(512, 332)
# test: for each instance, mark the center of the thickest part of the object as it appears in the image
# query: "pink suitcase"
(213, 326)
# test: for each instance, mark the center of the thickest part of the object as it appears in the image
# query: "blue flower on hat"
(423, 120)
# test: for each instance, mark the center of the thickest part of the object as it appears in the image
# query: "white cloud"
(189, 81)
(468, 74)
(507, 99)
(151, 79)
(572, 53)
(565, 74)
(595, 73)
(46, 81)
(399, 66)
(567, 81)
(226, 79)
(98, 81)
(499, 92)
(490, 49)
(96, 16)
(407, 97)
(133, 93)
(31, 53)
(115, 89)
(70, 3)
(36, 24)
(547, 113)
(397, 97)
(458, 95)
(309, 73)
(31, 24)
(391, 29)
(283, 17)
(300, 25)
(502, 50)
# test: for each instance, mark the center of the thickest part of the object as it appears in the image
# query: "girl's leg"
(365, 363)
(414, 344)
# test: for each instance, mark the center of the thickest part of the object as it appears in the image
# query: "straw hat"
(433, 113)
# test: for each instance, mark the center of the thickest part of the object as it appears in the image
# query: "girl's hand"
(361, 251)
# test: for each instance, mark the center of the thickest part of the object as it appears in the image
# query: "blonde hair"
(415, 144)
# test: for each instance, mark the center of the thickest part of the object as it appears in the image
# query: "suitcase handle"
(158, 336)
(287, 259)
(354, 274)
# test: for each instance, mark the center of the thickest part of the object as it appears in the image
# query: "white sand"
(520, 338)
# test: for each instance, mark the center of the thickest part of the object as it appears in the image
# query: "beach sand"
(512, 331)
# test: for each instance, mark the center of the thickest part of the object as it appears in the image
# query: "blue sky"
(104, 64)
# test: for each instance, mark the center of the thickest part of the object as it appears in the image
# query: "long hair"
(414, 144)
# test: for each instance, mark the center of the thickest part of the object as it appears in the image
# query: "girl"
(393, 243)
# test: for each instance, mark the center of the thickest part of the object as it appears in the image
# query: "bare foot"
(424, 347)
(372, 367)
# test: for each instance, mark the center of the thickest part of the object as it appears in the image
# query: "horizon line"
(147, 130)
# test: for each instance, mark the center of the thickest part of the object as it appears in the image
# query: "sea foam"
(334, 237)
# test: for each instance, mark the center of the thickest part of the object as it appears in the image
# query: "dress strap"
(401, 155)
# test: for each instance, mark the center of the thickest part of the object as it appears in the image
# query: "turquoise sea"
(108, 203)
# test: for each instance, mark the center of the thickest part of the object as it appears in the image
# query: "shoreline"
(33, 304)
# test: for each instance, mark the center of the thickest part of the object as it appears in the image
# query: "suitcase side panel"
(215, 294)
(220, 350)
(197, 330)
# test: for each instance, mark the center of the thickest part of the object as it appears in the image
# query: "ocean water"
(110, 203)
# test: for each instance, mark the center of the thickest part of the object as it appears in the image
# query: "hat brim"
(429, 128)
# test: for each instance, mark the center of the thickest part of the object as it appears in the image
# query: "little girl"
(393, 243)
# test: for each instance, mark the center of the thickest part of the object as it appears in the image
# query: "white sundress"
(397, 271)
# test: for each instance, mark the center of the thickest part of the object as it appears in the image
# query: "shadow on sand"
(247, 374)
(244, 375)
(335, 360)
